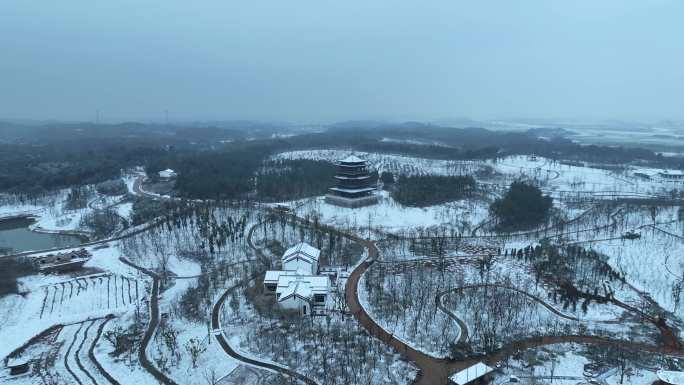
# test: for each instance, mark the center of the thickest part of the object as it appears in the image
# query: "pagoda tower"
(354, 185)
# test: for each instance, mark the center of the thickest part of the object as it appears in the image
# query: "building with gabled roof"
(302, 258)
(354, 185)
(167, 174)
(306, 294)
(476, 374)
(297, 286)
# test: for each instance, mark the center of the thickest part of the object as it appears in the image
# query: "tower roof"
(302, 250)
(352, 159)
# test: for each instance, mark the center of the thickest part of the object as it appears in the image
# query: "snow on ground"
(397, 164)
(129, 180)
(125, 368)
(651, 263)
(564, 364)
(52, 299)
(571, 178)
(390, 216)
(12, 210)
(124, 209)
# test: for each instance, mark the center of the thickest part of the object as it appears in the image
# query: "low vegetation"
(11, 269)
(428, 190)
(523, 206)
(282, 180)
(112, 187)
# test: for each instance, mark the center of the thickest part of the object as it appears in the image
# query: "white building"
(671, 377)
(302, 258)
(167, 174)
(306, 294)
(472, 374)
(672, 176)
(296, 286)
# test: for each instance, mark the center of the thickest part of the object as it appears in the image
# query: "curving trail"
(434, 371)
(68, 352)
(152, 326)
(218, 331)
(91, 352)
(463, 334)
(546, 305)
(77, 355)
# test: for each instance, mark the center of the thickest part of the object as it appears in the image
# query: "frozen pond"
(15, 237)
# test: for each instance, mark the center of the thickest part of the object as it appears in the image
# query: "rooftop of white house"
(302, 250)
(352, 159)
(471, 373)
(302, 286)
(671, 377)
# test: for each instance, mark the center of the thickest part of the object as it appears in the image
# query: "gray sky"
(320, 60)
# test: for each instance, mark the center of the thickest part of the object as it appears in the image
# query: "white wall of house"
(302, 266)
(296, 303)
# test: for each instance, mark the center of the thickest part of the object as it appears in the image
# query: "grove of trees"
(281, 180)
(523, 206)
(427, 190)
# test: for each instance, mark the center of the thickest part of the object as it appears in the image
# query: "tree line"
(428, 190)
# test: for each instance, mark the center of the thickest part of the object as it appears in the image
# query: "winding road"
(432, 371)
(152, 326)
(436, 371)
(218, 330)
(546, 305)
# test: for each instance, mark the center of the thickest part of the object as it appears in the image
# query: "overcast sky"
(320, 60)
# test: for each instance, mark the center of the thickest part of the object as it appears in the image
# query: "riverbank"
(20, 233)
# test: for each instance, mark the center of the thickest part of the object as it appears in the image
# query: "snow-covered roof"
(17, 361)
(168, 173)
(672, 173)
(303, 251)
(359, 177)
(671, 377)
(471, 373)
(296, 288)
(352, 190)
(274, 275)
(317, 282)
(352, 159)
(302, 286)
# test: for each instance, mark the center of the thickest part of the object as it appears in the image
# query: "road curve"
(152, 326)
(68, 352)
(463, 334)
(549, 307)
(220, 337)
(91, 352)
(432, 371)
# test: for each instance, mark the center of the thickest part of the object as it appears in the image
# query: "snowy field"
(448, 253)
(388, 216)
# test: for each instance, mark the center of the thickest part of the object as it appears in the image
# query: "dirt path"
(218, 332)
(77, 355)
(434, 371)
(152, 326)
(91, 352)
(533, 297)
(221, 339)
(68, 353)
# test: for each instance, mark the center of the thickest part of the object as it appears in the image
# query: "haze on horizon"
(331, 60)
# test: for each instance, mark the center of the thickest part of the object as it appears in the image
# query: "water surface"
(16, 237)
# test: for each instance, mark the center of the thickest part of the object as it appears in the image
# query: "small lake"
(16, 237)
